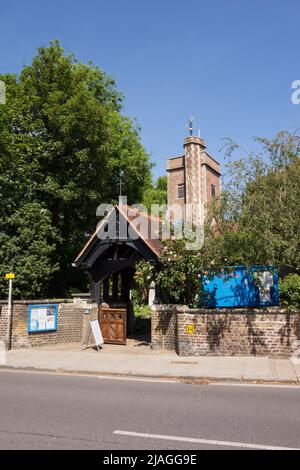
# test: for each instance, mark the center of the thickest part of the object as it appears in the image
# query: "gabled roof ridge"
(152, 244)
(148, 241)
(141, 213)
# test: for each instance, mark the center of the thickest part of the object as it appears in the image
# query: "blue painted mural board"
(241, 286)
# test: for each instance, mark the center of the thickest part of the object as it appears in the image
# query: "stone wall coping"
(39, 302)
(182, 309)
(83, 295)
(164, 307)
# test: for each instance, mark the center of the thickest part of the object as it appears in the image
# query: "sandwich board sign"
(96, 332)
(94, 328)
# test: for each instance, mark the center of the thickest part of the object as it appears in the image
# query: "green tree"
(257, 219)
(63, 142)
(156, 193)
(26, 248)
(144, 275)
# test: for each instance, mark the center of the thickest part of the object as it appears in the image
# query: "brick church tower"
(194, 179)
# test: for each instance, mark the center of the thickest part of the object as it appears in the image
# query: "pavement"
(138, 360)
(50, 411)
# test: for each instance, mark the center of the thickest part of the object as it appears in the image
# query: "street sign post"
(9, 277)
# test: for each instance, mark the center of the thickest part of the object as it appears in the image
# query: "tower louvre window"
(181, 191)
(213, 191)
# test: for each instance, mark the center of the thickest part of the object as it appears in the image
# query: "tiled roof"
(148, 228)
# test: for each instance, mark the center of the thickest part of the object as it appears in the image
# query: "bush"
(177, 277)
(136, 297)
(289, 289)
(143, 278)
(143, 311)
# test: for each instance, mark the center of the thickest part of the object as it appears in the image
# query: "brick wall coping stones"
(222, 311)
(165, 307)
(39, 302)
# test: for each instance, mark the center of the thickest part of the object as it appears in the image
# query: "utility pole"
(10, 278)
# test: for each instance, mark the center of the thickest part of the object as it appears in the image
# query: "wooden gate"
(113, 323)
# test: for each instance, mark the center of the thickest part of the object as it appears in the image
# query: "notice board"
(42, 318)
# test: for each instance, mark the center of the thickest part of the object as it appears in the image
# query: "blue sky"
(230, 63)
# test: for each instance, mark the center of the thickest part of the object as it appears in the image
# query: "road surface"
(45, 411)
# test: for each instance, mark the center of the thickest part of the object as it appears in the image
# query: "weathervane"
(191, 124)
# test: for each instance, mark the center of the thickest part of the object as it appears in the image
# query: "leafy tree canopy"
(156, 193)
(63, 142)
(257, 218)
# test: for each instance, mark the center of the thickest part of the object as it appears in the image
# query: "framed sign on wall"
(42, 318)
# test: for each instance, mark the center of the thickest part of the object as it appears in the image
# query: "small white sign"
(96, 332)
(264, 295)
(266, 279)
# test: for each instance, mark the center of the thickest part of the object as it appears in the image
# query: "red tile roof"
(148, 228)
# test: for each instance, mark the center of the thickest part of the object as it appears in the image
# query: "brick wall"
(3, 322)
(252, 332)
(71, 324)
(212, 178)
(163, 327)
(176, 176)
(86, 319)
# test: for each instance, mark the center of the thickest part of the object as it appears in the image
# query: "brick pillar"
(195, 181)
